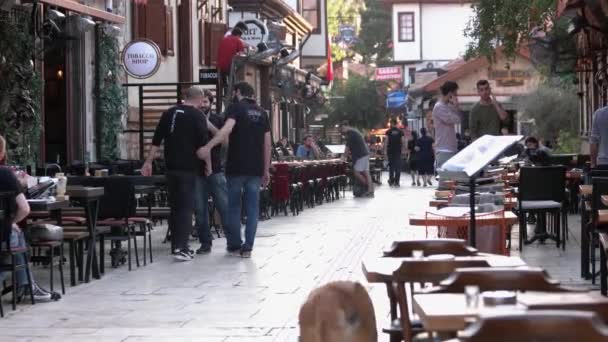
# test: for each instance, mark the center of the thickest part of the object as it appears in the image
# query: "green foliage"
(375, 34)
(361, 105)
(554, 109)
(505, 23)
(341, 12)
(111, 101)
(20, 90)
(567, 142)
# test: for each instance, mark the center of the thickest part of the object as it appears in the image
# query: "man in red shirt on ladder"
(230, 46)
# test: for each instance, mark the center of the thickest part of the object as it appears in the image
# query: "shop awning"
(95, 13)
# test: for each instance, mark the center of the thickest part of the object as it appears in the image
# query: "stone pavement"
(228, 299)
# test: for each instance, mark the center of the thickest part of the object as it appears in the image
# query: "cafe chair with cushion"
(537, 325)
(542, 191)
(603, 237)
(117, 209)
(410, 277)
(455, 247)
(496, 279)
(598, 223)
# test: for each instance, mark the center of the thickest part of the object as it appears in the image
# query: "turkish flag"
(330, 68)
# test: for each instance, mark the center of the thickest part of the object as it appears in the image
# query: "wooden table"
(448, 312)
(381, 269)
(509, 203)
(89, 198)
(480, 219)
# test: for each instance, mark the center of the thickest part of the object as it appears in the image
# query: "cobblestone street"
(222, 298)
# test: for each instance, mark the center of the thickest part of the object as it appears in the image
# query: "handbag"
(44, 232)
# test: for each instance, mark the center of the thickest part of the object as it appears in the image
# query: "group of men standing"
(192, 135)
(486, 117)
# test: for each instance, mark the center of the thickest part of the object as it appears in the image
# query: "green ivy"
(111, 102)
(20, 89)
(506, 23)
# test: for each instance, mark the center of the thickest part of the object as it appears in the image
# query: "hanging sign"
(396, 99)
(257, 32)
(207, 76)
(141, 58)
(389, 73)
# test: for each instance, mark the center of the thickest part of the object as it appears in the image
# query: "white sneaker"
(180, 255)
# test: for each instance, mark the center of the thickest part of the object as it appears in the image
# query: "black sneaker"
(246, 253)
(181, 255)
(204, 250)
(233, 251)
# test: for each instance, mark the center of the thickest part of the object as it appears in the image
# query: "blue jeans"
(18, 241)
(242, 190)
(214, 185)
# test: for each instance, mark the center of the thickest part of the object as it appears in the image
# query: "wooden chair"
(417, 275)
(494, 279)
(596, 226)
(554, 326)
(455, 247)
(603, 237)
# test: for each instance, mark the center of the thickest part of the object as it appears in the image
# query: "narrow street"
(222, 298)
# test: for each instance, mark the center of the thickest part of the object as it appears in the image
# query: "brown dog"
(341, 311)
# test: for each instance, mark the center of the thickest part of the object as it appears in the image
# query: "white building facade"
(428, 33)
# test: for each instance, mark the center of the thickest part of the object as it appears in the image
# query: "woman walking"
(413, 158)
(425, 155)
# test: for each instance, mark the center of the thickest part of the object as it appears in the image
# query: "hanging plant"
(20, 89)
(111, 102)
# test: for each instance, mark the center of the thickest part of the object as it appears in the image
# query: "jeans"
(394, 168)
(181, 186)
(242, 190)
(214, 185)
(18, 241)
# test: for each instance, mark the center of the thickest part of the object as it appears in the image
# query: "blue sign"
(396, 99)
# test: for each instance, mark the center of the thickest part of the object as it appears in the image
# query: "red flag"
(330, 68)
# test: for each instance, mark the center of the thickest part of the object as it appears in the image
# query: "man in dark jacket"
(183, 129)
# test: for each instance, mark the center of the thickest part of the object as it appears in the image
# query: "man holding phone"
(486, 115)
(446, 114)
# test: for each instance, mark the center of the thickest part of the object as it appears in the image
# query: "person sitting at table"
(309, 149)
(285, 147)
(9, 183)
(535, 153)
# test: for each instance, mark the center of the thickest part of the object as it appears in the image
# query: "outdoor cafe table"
(53, 207)
(460, 221)
(89, 198)
(509, 204)
(448, 312)
(380, 269)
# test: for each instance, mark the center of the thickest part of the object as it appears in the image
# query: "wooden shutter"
(139, 21)
(156, 23)
(169, 32)
(214, 34)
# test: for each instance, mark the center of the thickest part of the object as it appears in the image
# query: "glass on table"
(417, 254)
(471, 293)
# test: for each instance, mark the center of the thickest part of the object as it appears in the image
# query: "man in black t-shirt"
(356, 146)
(248, 165)
(393, 150)
(183, 129)
(214, 184)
